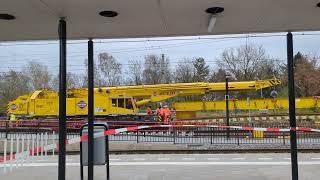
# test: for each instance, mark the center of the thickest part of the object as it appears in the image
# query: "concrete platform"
(179, 167)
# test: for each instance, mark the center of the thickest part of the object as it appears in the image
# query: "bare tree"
(98, 80)
(156, 70)
(135, 72)
(184, 71)
(218, 76)
(110, 68)
(243, 63)
(269, 69)
(38, 74)
(151, 70)
(12, 85)
(73, 81)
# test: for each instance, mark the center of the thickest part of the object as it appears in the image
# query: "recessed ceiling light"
(215, 10)
(318, 5)
(7, 17)
(108, 13)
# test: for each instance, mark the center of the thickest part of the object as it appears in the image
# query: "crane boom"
(193, 87)
(160, 92)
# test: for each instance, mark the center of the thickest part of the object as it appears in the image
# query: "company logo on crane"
(13, 107)
(81, 104)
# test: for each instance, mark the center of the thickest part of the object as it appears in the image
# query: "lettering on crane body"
(168, 93)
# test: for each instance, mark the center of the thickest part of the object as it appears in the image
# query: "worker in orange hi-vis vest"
(166, 114)
(173, 113)
(162, 113)
(149, 110)
(158, 112)
(149, 116)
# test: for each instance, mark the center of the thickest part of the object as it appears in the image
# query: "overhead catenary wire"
(142, 63)
(121, 50)
(161, 39)
(154, 47)
(78, 54)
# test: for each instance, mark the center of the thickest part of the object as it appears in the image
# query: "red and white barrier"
(23, 153)
(134, 128)
(20, 156)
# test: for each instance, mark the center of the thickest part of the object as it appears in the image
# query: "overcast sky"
(15, 55)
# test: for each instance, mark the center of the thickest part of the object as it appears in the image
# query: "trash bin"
(100, 147)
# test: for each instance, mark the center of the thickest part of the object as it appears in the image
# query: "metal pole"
(108, 157)
(90, 109)
(7, 128)
(11, 154)
(227, 106)
(292, 107)
(5, 155)
(62, 99)
(81, 158)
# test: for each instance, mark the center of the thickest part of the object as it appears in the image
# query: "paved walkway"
(179, 166)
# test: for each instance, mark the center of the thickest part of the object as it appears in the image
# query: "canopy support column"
(62, 99)
(292, 108)
(227, 106)
(90, 109)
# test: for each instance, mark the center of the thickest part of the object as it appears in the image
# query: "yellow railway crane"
(122, 100)
(189, 109)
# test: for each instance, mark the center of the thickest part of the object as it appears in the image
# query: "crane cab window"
(121, 103)
(129, 103)
(114, 102)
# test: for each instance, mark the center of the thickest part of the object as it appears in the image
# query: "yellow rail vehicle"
(46, 103)
(122, 100)
(189, 109)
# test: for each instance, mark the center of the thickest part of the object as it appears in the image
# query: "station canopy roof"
(38, 19)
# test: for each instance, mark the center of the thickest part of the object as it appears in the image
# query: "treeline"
(248, 62)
